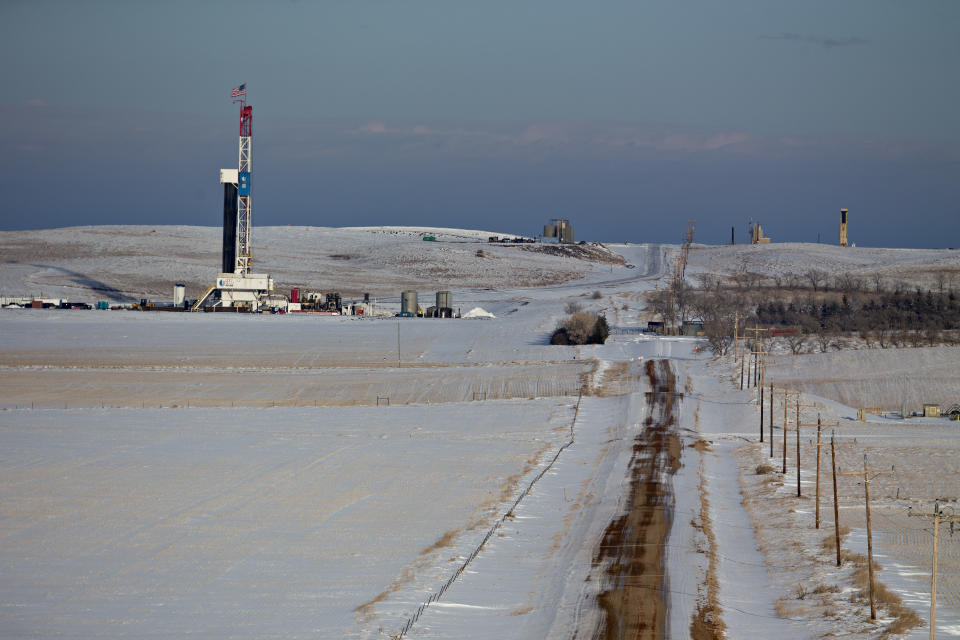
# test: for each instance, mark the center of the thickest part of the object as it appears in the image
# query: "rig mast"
(244, 221)
(236, 286)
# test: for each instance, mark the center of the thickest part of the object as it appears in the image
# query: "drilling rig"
(236, 287)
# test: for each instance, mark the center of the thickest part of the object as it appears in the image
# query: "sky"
(629, 118)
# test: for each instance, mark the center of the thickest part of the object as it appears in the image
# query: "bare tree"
(824, 337)
(741, 279)
(883, 337)
(915, 338)
(707, 281)
(718, 312)
(660, 302)
(941, 279)
(719, 335)
(796, 342)
(683, 298)
(816, 278)
(848, 283)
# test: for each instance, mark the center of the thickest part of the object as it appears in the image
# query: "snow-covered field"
(287, 476)
(881, 378)
(126, 263)
(927, 268)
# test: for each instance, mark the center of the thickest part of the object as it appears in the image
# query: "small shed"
(692, 328)
(931, 411)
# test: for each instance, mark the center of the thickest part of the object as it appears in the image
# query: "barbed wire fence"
(412, 620)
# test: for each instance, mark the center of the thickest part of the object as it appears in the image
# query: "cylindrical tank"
(295, 294)
(408, 302)
(549, 231)
(179, 293)
(567, 235)
(444, 300)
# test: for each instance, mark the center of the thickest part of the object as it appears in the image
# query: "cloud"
(825, 41)
(545, 132)
(36, 102)
(371, 127)
(571, 139)
(556, 136)
(725, 139)
(676, 140)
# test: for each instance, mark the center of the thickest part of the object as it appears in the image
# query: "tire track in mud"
(631, 553)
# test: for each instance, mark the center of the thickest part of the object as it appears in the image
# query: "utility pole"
(785, 399)
(761, 360)
(760, 355)
(763, 365)
(866, 493)
(748, 357)
(823, 444)
(742, 358)
(755, 350)
(398, 344)
(756, 362)
(771, 419)
(798, 444)
(736, 342)
(798, 438)
(938, 516)
(817, 510)
(836, 507)
(761, 414)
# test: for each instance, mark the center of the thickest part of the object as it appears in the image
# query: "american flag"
(239, 91)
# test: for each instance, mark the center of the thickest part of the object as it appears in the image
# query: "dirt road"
(631, 552)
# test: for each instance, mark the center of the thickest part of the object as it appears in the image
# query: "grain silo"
(444, 304)
(408, 303)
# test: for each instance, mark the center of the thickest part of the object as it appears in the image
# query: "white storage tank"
(179, 293)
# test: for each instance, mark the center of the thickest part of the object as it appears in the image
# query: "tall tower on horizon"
(843, 227)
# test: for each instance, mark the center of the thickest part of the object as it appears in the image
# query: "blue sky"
(629, 118)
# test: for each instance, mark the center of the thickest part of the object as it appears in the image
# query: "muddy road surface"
(630, 559)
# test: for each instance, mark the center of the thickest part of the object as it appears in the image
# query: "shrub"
(601, 330)
(581, 328)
